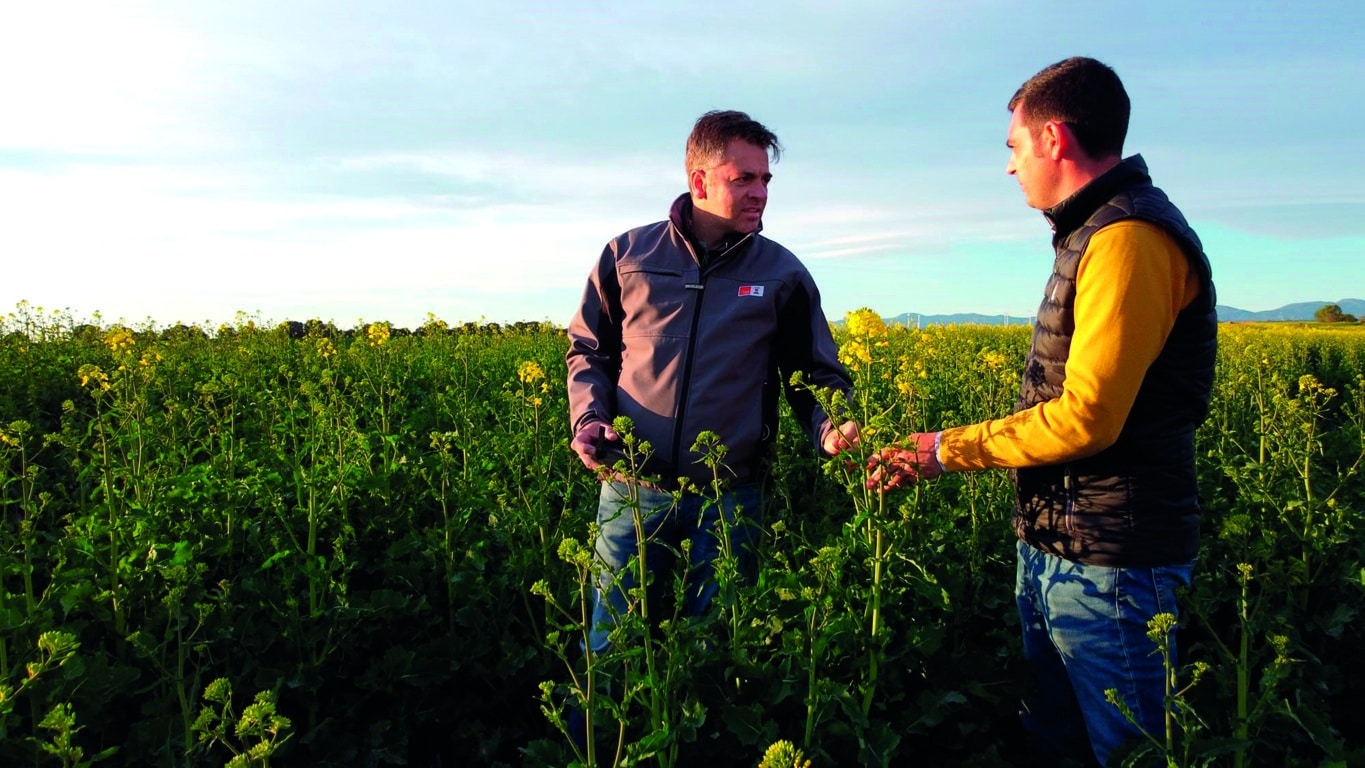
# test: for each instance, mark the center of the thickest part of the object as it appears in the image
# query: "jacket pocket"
(655, 301)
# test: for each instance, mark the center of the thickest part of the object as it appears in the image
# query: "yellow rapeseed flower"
(93, 376)
(866, 323)
(993, 359)
(119, 339)
(854, 352)
(378, 333)
(1309, 385)
(529, 372)
(434, 324)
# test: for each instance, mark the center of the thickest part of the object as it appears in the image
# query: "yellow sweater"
(1132, 281)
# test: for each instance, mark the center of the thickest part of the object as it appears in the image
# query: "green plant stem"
(589, 686)
(808, 738)
(657, 693)
(1241, 726)
(874, 647)
(107, 481)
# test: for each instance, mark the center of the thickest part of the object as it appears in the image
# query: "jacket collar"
(1066, 216)
(680, 215)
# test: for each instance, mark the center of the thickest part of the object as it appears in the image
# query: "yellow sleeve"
(1131, 282)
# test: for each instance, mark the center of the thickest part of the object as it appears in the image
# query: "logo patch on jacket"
(751, 290)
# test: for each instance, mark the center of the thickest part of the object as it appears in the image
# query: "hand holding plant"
(896, 466)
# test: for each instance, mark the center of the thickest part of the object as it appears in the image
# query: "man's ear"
(1057, 139)
(697, 184)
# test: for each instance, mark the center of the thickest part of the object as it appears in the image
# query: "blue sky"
(175, 161)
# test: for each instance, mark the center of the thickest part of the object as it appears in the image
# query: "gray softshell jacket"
(681, 348)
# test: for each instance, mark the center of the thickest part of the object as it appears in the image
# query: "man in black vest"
(1101, 443)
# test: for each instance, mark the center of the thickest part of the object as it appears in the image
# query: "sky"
(202, 162)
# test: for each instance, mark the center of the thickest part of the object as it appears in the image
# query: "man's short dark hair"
(715, 129)
(1083, 93)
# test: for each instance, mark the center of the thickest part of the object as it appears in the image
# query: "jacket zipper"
(700, 287)
(1069, 484)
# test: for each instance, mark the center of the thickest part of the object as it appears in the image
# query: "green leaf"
(278, 556)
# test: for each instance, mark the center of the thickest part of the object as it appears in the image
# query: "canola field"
(300, 545)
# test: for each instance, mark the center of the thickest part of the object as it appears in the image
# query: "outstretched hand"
(897, 466)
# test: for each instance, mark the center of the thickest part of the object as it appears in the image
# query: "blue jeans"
(666, 522)
(1085, 631)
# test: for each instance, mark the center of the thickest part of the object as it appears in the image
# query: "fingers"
(585, 453)
(849, 434)
(585, 443)
(890, 470)
(842, 438)
(889, 479)
(894, 468)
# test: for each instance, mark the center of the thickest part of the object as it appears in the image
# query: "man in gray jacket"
(691, 325)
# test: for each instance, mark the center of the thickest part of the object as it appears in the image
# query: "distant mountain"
(962, 318)
(1302, 311)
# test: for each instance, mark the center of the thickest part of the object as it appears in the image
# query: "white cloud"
(135, 242)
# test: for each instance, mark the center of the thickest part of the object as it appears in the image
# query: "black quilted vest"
(1134, 504)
